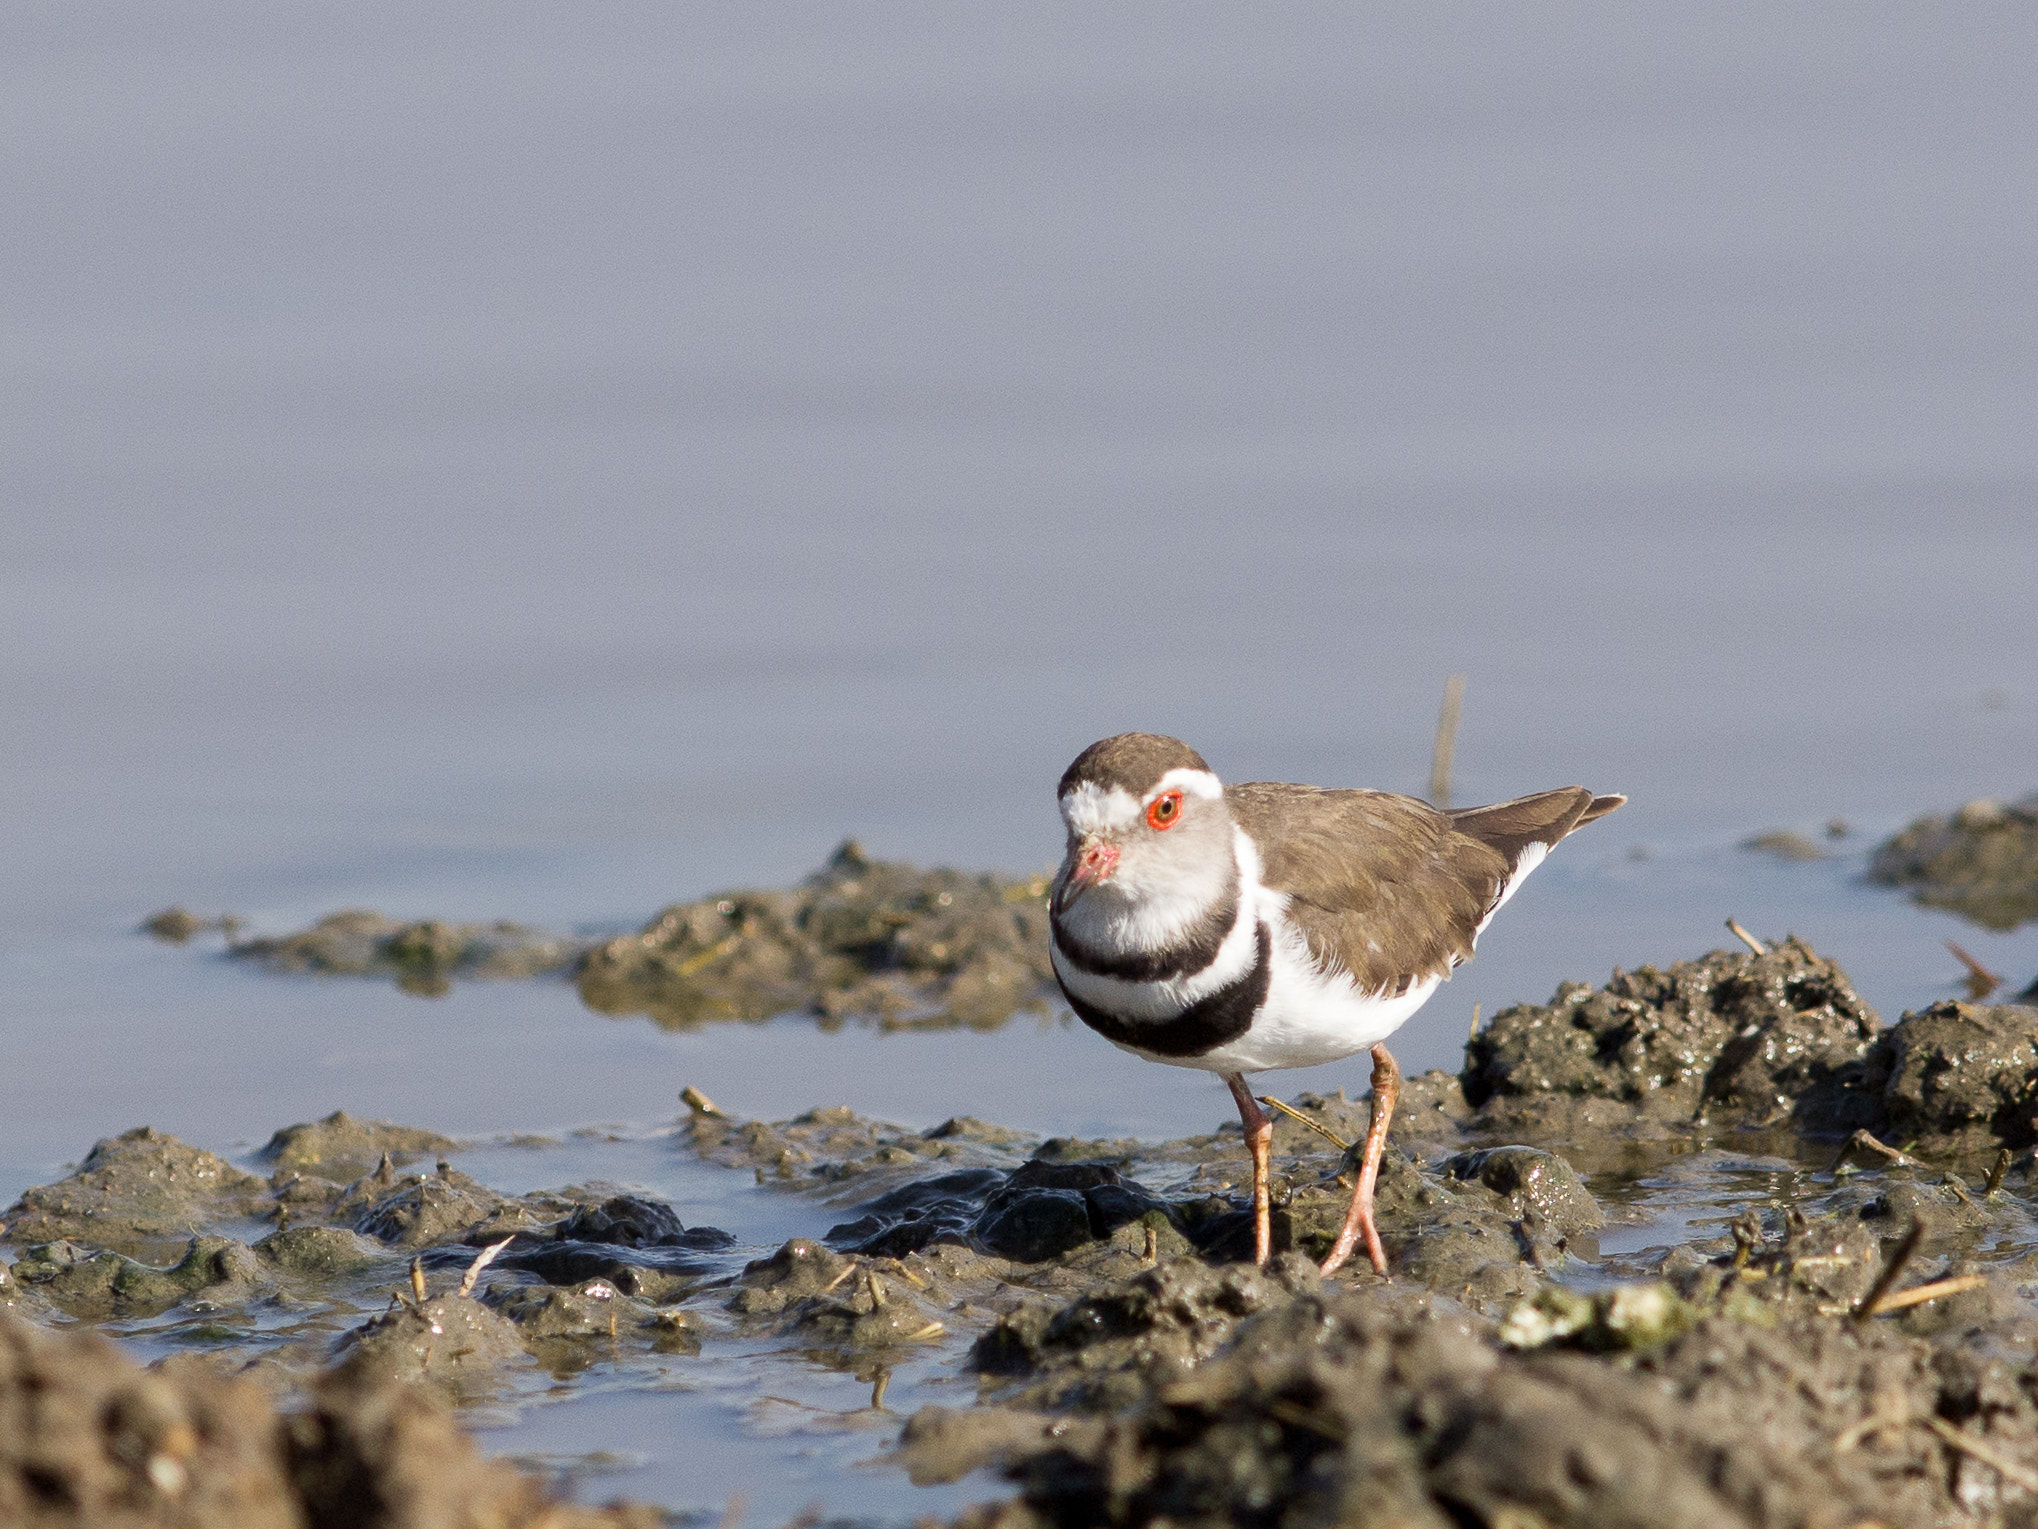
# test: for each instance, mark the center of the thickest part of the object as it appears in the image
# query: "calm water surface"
(519, 463)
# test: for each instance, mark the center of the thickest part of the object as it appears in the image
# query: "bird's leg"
(1359, 1219)
(1259, 1141)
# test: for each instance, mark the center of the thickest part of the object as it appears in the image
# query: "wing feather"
(1380, 885)
(1388, 888)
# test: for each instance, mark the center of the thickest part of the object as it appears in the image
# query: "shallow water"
(476, 466)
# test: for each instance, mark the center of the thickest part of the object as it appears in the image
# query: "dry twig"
(1861, 1141)
(1995, 1174)
(1980, 980)
(1302, 1119)
(1447, 741)
(1746, 938)
(699, 1102)
(1890, 1271)
(2002, 1464)
(1917, 1295)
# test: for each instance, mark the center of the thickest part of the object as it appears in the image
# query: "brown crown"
(1133, 761)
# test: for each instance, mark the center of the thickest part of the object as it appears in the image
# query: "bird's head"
(1148, 831)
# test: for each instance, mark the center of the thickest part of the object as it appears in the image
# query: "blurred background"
(546, 462)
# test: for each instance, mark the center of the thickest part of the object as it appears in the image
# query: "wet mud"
(859, 938)
(88, 1438)
(1706, 1243)
(1980, 862)
(422, 956)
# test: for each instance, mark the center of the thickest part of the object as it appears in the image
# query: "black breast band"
(1208, 1023)
(1198, 947)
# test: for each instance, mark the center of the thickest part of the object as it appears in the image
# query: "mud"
(423, 956)
(1395, 1407)
(1776, 1043)
(340, 1147)
(860, 937)
(1980, 862)
(87, 1438)
(136, 1188)
(1785, 844)
(1631, 1248)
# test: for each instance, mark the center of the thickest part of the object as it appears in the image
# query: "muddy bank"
(422, 956)
(87, 1438)
(1980, 862)
(1778, 1042)
(1743, 1395)
(1684, 1182)
(860, 938)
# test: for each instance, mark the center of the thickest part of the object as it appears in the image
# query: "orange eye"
(1166, 810)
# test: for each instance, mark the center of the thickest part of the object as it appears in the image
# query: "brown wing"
(1383, 886)
(1386, 886)
(1544, 818)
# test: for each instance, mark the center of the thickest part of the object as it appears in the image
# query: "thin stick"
(1861, 1141)
(1917, 1295)
(699, 1102)
(1874, 1423)
(1995, 1174)
(1302, 1119)
(1475, 1019)
(1890, 1271)
(1980, 980)
(2003, 1465)
(1748, 939)
(1447, 741)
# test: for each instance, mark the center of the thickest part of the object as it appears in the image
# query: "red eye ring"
(1165, 811)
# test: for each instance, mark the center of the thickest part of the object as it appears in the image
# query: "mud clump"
(1771, 1042)
(1322, 1405)
(452, 1341)
(423, 956)
(859, 937)
(1108, 1347)
(86, 1438)
(1959, 1077)
(180, 926)
(342, 1148)
(1764, 1040)
(845, 1303)
(1039, 1211)
(635, 1244)
(1980, 862)
(138, 1187)
(1785, 844)
(106, 1284)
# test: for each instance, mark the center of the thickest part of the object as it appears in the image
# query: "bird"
(1241, 928)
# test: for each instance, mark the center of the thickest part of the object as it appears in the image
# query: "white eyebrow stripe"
(1190, 782)
(1090, 808)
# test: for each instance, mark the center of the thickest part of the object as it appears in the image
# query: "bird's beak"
(1091, 861)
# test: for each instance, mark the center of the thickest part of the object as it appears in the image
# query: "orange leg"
(1259, 1141)
(1359, 1219)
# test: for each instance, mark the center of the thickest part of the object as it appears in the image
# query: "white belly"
(1308, 1018)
